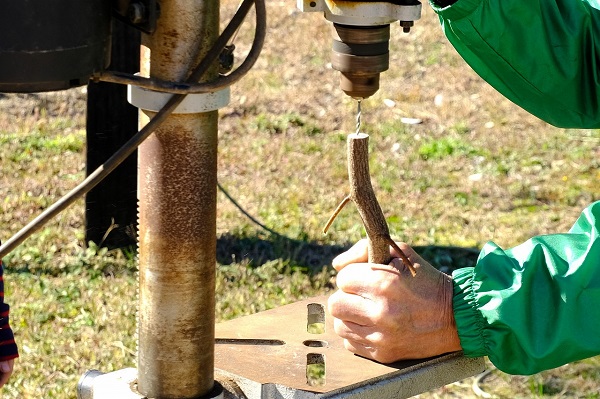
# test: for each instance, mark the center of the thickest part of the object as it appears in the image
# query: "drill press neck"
(361, 34)
(360, 53)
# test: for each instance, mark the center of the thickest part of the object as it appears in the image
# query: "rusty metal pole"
(177, 216)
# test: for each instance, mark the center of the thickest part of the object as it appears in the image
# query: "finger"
(410, 253)
(365, 279)
(396, 266)
(350, 308)
(359, 349)
(357, 254)
(6, 368)
(365, 335)
(4, 378)
(354, 278)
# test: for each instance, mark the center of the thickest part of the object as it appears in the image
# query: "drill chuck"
(360, 53)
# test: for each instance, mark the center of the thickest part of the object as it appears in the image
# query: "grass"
(478, 168)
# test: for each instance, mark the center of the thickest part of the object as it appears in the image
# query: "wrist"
(451, 333)
(468, 320)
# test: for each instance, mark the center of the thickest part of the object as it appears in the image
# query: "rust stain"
(173, 33)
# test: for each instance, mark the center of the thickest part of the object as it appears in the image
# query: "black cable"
(128, 148)
(249, 216)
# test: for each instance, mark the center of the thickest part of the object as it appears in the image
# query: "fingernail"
(339, 264)
(335, 261)
(397, 263)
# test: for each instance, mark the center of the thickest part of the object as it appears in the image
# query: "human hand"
(6, 369)
(385, 314)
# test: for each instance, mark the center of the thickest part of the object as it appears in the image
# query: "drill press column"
(177, 216)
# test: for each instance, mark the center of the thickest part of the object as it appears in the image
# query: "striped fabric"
(8, 347)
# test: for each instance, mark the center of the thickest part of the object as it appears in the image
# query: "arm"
(8, 347)
(528, 309)
(541, 54)
(536, 306)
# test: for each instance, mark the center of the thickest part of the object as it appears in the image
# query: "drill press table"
(272, 355)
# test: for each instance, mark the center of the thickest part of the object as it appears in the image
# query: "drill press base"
(272, 354)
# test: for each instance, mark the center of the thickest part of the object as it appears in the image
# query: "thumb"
(357, 254)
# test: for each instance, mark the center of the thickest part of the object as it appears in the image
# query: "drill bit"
(358, 114)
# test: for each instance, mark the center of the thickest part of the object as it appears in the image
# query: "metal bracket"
(118, 384)
(122, 384)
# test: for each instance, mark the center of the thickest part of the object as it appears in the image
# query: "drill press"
(361, 34)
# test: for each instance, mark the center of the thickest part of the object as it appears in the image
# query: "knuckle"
(381, 313)
(339, 327)
(384, 357)
(378, 316)
(377, 340)
(333, 303)
(348, 345)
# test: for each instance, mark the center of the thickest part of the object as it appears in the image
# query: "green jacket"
(535, 306)
(543, 55)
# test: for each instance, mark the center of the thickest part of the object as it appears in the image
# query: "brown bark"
(362, 194)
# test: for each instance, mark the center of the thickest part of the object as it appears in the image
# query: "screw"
(406, 25)
(137, 13)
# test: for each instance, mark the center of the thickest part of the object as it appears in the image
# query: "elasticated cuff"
(469, 321)
(458, 10)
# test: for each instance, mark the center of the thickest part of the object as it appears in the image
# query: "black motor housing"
(48, 45)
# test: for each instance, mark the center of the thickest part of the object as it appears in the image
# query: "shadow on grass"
(252, 250)
(256, 250)
(448, 258)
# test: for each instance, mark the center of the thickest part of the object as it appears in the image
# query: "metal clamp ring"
(150, 100)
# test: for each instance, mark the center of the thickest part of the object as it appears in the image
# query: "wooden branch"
(335, 213)
(362, 194)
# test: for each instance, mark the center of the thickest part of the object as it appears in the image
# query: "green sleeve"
(544, 55)
(535, 306)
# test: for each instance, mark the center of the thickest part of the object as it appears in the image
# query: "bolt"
(137, 13)
(226, 59)
(406, 25)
